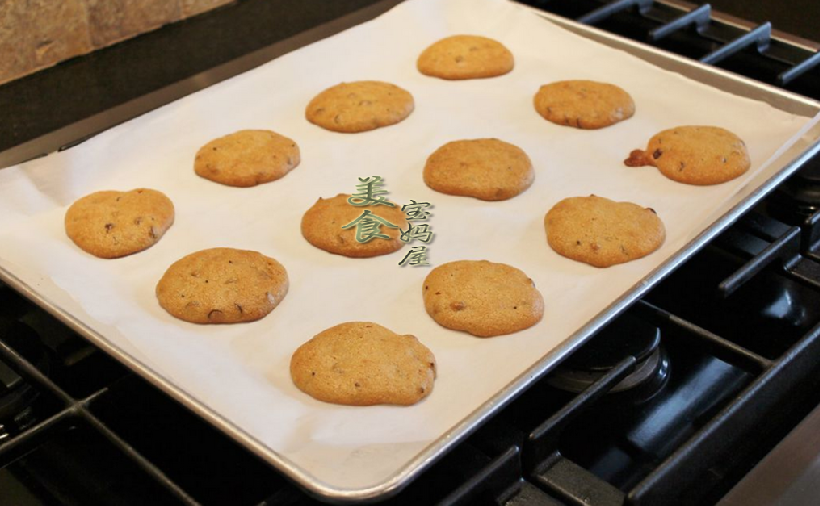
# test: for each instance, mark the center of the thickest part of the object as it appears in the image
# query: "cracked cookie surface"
(487, 169)
(601, 232)
(222, 285)
(697, 155)
(364, 364)
(114, 224)
(482, 298)
(465, 57)
(588, 105)
(322, 227)
(359, 106)
(247, 158)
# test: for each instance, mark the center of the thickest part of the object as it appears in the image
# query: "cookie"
(588, 105)
(322, 227)
(601, 232)
(487, 169)
(247, 158)
(698, 155)
(222, 285)
(359, 106)
(364, 364)
(113, 224)
(483, 298)
(465, 57)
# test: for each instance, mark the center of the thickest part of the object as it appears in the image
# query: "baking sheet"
(237, 376)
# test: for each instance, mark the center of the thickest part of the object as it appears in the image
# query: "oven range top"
(711, 374)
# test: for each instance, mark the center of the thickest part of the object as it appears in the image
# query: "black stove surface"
(670, 404)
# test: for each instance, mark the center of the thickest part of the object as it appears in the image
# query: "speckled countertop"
(83, 86)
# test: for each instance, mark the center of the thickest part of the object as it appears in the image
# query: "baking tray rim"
(436, 449)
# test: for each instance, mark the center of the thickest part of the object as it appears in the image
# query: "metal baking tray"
(787, 162)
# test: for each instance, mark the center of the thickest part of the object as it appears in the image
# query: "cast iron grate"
(694, 32)
(132, 444)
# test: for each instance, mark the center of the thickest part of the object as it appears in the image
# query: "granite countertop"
(81, 87)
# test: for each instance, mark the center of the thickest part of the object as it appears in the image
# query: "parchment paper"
(241, 371)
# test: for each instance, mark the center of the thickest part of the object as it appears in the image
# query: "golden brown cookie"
(465, 57)
(699, 155)
(222, 285)
(601, 232)
(247, 158)
(483, 298)
(588, 105)
(113, 224)
(364, 364)
(359, 106)
(322, 227)
(487, 169)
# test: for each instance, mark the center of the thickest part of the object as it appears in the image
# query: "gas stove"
(673, 403)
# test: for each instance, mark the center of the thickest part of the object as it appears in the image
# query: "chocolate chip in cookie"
(483, 298)
(222, 285)
(465, 57)
(697, 155)
(487, 169)
(247, 158)
(364, 364)
(113, 224)
(588, 105)
(360, 106)
(601, 232)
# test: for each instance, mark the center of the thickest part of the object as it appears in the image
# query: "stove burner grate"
(625, 337)
(520, 456)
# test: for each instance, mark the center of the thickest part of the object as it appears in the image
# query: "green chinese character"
(368, 227)
(415, 257)
(415, 211)
(369, 193)
(420, 232)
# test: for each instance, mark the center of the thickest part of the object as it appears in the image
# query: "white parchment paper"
(241, 372)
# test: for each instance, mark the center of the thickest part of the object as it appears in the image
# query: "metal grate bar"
(137, 458)
(720, 347)
(22, 367)
(796, 55)
(74, 409)
(761, 36)
(798, 70)
(530, 495)
(807, 272)
(699, 17)
(613, 8)
(31, 437)
(541, 442)
(811, 236)
(498, 479)
(785, 249)
(576, 485)
(758, 402)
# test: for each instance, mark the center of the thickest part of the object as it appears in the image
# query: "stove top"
(673, 403)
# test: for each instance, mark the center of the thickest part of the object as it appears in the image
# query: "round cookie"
(465, 57)
(483, 298)
(247, 158)
(359, 106)
(222, 285)
(322, 227)
(698, 155)
(487, 169)
(113, 224)
(364, 364)
(601, 232)
(588, 105)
